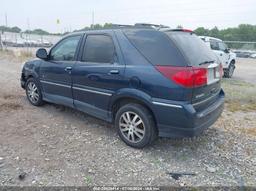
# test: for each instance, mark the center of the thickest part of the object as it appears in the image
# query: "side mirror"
(227, 50)
(42, 54)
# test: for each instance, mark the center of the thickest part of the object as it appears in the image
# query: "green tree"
(10, 29)
(244, 32)
(201, 31)
(15, 29)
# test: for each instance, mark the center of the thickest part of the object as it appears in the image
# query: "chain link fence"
(9, 39)
(243, 49)
(24, 43)
(13, 41)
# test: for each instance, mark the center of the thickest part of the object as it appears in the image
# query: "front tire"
(228, 73)
(135, 125)
(33, 92)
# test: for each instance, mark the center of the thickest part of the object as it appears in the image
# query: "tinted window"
(156, 47)
(195, 50)
(66, 49)
(214, 44)
(99, 49)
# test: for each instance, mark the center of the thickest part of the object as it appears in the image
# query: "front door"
(55, 73)
(223, 51)
(219, 50)
(98, 75)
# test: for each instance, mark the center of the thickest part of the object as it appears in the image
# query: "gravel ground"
(246, 70)
(54, 145)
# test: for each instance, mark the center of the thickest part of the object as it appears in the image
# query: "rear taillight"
(188, 77)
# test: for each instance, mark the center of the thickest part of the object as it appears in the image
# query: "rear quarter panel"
(142, 75)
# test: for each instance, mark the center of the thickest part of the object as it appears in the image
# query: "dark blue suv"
(147, 82)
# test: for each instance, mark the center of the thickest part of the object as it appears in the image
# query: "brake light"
(188, 77)
(187, 30)
(183, 30)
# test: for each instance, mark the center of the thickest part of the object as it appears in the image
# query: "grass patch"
(9, 106)
(240, 95)
(156, 162)
(248, 131)
(18, 56)
(88, 180)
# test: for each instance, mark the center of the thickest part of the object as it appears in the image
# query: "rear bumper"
(186, 121)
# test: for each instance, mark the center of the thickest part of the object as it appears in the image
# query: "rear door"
(98, 74)
(55, 73)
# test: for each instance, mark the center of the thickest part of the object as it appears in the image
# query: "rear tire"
(33, 92)
(135, 125)
(228, 73)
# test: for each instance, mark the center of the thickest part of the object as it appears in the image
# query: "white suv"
(226, 57)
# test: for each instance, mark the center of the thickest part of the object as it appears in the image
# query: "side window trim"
(77, 48)
(223, 46)
(215, 42)
(83, 46)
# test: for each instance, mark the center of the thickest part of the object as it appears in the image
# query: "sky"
(76, 14)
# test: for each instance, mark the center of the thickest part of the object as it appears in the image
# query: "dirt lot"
(55, 145)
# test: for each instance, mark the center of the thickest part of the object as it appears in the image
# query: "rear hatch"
(182, 57)
(205, 65)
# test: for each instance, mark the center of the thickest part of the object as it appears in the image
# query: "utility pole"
(1, 43)
(28, 23)
(28, 36)
(92, 19)
(6, 20)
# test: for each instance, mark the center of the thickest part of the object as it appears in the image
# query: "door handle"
(68, 69)
(114, 72)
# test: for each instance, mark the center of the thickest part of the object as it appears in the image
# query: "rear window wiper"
(207, 62)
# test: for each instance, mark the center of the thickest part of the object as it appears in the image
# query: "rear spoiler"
(181, 30)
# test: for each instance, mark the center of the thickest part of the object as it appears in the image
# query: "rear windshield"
(195, 50)
(156, 47)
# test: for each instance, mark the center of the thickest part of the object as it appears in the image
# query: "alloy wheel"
(231, 70)
(132, 127)
(32, 92)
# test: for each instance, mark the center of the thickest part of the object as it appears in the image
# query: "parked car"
(242, 54)
(253, 55)
(147, 82)
(227, 58)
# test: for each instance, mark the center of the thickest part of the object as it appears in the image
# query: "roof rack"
(120, 25)
(140, 25)
(156, 26)
(137, 25)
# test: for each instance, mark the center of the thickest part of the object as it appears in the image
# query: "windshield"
(193, 48)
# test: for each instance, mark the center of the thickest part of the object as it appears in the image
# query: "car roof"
(108, 30)
(135, 28)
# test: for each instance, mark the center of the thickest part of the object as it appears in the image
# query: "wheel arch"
(131, 96)
(31, 69)
(233, 61)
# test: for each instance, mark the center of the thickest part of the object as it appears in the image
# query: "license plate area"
(213, 74)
